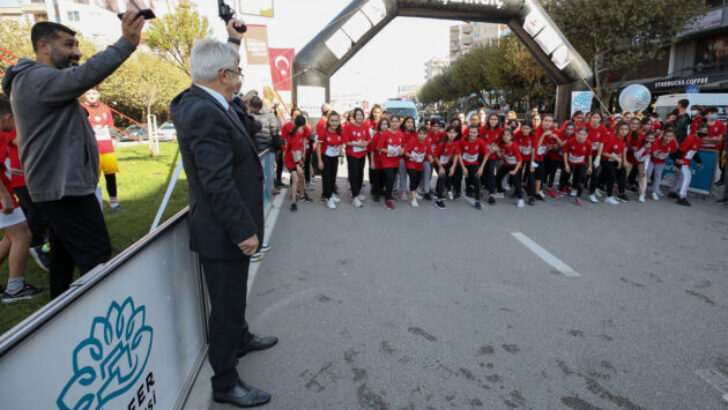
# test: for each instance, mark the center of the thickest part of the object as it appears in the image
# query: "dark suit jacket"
(223, 172)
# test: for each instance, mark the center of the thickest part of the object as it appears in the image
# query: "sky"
(396, 56)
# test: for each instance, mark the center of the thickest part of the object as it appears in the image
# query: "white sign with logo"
(310, 99)
(581, 101)
(131, 341)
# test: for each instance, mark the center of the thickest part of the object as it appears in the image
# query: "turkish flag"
(280, 67)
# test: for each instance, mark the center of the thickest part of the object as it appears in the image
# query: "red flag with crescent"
(280, 67)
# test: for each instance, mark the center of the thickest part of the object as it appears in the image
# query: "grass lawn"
(142, 183)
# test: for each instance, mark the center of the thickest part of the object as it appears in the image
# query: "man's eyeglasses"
(239, 73)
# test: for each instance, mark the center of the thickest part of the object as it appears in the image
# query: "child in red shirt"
(415, 153)
(687, 152)
(357, 140)
(330, 152)
(446, 158)
(578, 160)
(472, 152)
(391, 147)
(375, 160)
(512, 161)
(294, 154)
(614, 157)
(491, 135)
(663, 148)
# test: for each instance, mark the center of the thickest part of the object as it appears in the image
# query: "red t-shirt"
(597, 136)
(491, 137)
(472, 151)
(446, 151)
(294, 145)
(419, 151)
(576, 152)
(320, 128)
(556, 152)
(525, 144)
(544, 147)
(640, 151)
(352, 133)
(101, 120)
(15, 180)
(689, 148)
(373, 149)
(391, 141)
(614, 146)
(288, 127)
(330, 143)
(511, 155)
(660, 150)
(409, 136)
(716, 130)
(5, 173)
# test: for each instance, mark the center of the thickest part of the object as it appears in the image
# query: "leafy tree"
(616, 38)
(174, 35)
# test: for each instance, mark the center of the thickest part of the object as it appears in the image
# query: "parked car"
(167, 132)
(137, 132)
(118, 136)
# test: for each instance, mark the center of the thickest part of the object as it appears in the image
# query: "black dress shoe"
(242, 395)
(256, 344)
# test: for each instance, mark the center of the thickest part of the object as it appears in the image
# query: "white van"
(665, 104)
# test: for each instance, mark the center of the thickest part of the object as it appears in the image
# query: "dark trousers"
(489, 175)
(331, 167)
(388, 176)
(595, 179)
(579, 172)
(515, 179)
(537, 175)
(78, 238)
(551, 167)
(415, 177)
(227, 285)
(307, 163)
(457, 181)
(613, 175)
(444, 183)
(110, 184)
(564, 178)
(473, 181)
(377, 181)
(279, 168)
(356, 173)
(34, 216)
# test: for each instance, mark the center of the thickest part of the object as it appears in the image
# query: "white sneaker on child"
(331, 203)
(593, 199)
(520, 203)
(655, 197)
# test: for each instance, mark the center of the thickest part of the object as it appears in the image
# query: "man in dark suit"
(226, 207)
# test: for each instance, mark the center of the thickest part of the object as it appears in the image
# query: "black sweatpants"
(564, 177)
(78, 238)
(613, 175)
(444, 184)
(594, 179)
(34, 215)
(415, 177)
(227, 282)
(579, 172)
(457, 181)
(473, 181)
(551, 166)
(279, 168)
(110, 184)
(331, 167)
(356, 173)
(388, 175)
(377, 181)
(489, 175)
(515, 180)
(537, 175)
(307, 163)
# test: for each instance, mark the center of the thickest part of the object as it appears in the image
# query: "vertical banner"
(280, 67)
(257, 69)
(581, 101)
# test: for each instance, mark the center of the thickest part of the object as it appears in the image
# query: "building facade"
(435, 66)
(465, 37)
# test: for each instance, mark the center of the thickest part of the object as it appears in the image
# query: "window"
(73, 16)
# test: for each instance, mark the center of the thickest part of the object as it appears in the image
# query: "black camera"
(227, 13)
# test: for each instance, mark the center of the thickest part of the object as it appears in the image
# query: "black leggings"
(444, 184)
(331, 167)
(595, 179)
(515, 179)
(613, 175)
(36, 220)
(389, 174)
(457, 181)
(579, 172)
(415, 177)
(307, 163)
(564, 177)
(537, 175)
(473, 181)
(279, 168)
(356, 174)
(110, 184)
(489, 175)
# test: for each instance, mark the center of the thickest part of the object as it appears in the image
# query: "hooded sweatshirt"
(58, 150)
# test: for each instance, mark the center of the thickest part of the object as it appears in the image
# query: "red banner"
(280, 67)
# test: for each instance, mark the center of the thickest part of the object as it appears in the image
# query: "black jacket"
(223, 172)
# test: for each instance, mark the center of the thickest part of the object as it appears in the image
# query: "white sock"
(15, 285)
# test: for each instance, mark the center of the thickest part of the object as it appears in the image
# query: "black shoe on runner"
(440, 204)
(540, 197)
(294, 208)
(27, 292)
(531, 201)
(41, 258)
(683, 202)
(491, 200)
(307, 198)
(673, 195)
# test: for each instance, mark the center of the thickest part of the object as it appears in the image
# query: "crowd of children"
(592, 155)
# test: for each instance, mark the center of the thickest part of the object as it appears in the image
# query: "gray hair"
(209, 57)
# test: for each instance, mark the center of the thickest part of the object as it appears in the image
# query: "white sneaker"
(309, 185)
(331, 203)
(362, 198)
(593, 199)
(418, 196)
(499, 195)
(599, 192)
(610, 200)
(414, 203)
(335, 198)
(642, 199)
(655, 197)
(356, 202)
(449, 196)
(520, 203)
(573, 193)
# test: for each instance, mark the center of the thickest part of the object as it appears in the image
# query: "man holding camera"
(58, 150)
(225, 180)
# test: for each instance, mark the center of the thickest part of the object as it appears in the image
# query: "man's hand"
(249, 246)
(131, 26)
(231, 29)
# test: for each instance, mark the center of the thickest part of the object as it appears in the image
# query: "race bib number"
(595, 146)
(526, 150)
(659, 154)
(433, 148)
(510, 160)
(470, 157)
(690, 154)
(297, 155)
(576, 159)
(333, 151)
(417, 157)
(445, 159)
(543, 149)
(393, 148)
(359, 149)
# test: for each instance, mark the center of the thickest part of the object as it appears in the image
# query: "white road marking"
(545, 255)
(270, 224)
(715, 379)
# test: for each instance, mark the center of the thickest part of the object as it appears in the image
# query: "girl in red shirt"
(578, 160)
(434, 136)
(294, 153)
(511, 168)
(576, 120)
(614, 156)
(641, 154)
(555, 160)
(598, 134)
(688, 151)
(525, 139)
(491, 135)
(330, 153)
(473, 152)
(663, 148)
(390, 147)
(409, 133)
(415, 154)
(357, 140)
(446, 157)
(542, 139)
(375, 161)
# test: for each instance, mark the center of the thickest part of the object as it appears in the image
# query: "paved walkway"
(428, 309)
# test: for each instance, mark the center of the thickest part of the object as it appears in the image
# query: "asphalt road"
(429, 309)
